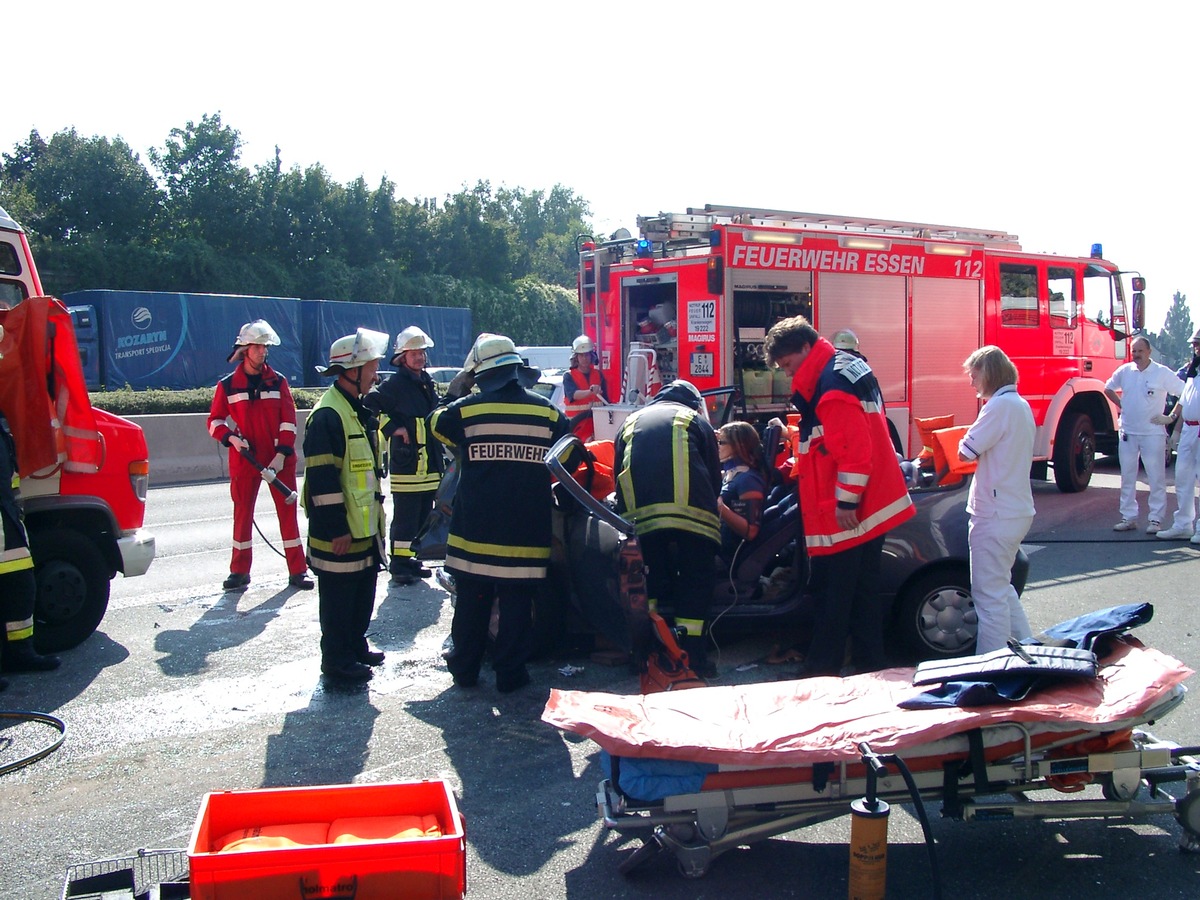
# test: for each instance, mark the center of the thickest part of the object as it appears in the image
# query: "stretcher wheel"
(1187, 811)
(639, 857)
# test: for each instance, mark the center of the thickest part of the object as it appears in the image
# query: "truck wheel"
(935, 615)
(1074, 453)
(72, 589)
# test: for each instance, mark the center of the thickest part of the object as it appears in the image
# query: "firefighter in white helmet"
(344, 504)
(500, 529)
(403, 401)
(583, 384)
(253, 412)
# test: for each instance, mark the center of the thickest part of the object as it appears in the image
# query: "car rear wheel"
(935, 615)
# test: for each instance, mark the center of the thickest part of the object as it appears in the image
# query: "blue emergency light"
(643, 249)
(1097, 251)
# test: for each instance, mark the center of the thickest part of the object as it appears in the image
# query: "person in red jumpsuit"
(252, 410)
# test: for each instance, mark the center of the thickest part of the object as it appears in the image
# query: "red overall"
(266, 419)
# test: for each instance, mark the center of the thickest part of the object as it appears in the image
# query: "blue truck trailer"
(150, 339)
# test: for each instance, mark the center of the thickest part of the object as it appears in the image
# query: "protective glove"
(461, 384)
(238, 443)
(1161, 419)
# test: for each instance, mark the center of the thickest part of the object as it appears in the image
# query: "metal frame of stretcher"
(698, 827)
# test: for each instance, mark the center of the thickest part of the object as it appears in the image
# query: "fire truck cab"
(84, 472)
(694, 296)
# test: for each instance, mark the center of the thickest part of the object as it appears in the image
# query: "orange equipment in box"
(421, 866)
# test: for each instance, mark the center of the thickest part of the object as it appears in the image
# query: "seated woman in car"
(743, 486)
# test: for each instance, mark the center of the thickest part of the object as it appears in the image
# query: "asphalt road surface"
(186, 690)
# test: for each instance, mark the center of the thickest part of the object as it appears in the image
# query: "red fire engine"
(695, 295)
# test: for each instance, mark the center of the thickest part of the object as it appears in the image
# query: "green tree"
(83, 188)
(1174, 344)
(209, 194)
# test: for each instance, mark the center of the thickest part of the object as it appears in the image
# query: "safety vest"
(357, 471)
(574, 380)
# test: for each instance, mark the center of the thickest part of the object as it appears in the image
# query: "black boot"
(19, 656)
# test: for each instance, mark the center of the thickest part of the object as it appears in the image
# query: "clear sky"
(1066, 123)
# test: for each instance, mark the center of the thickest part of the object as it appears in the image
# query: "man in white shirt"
(1139, 389)
(1187, 457)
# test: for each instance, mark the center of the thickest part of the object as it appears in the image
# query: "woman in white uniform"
(1000, 501)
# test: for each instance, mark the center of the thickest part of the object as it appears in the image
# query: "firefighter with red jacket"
(415, 462)
(852, 492)
(18, 589)
(252, 411)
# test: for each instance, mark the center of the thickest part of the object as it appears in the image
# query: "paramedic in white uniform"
(1143, 386)
(1000, 501)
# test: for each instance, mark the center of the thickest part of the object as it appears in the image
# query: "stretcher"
(699, 772)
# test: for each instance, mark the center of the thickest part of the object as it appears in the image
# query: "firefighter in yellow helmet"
(344, 504)
(404, 400)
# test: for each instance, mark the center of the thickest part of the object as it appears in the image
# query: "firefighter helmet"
(355, 350)
(582, 344)
(411, 338)
(256, 332)
(491, 351)
(845, 340)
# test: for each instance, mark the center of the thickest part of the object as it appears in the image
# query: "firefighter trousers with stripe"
(410, 509)
(243, 488)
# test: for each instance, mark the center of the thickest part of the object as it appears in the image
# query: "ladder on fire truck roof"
(697, 223)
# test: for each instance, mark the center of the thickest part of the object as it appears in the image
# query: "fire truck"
(694, 296)
(84, 472)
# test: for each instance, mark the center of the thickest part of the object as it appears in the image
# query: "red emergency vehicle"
(699, 290)
(84, 472)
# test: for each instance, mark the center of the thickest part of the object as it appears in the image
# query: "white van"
(547, 358)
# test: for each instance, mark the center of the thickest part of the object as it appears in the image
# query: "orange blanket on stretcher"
(783, 723)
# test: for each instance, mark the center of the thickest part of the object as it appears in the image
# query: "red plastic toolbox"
(423, 867)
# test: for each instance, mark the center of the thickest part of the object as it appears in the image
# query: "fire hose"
(269, 476)
(45, 719)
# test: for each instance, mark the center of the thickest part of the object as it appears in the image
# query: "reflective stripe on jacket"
(14, 551)
(667, 471)
(500, 527)
(341, 484)
(846, 459)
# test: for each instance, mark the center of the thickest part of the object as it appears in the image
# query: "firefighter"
(852, 492)
(253, 412)
(668, 475)
(344, 505)
(583, 383)
(18, 589)
(404, 401)
(500, 530)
